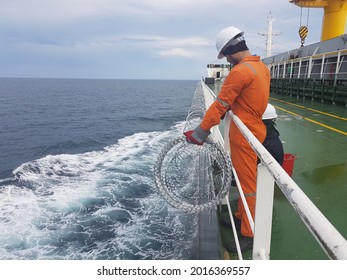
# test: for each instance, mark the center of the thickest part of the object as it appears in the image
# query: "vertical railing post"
(227, 120)
(263, 214)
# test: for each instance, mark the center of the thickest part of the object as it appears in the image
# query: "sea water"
(76, 169)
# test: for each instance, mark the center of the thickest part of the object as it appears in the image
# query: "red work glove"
(196, 136)
(190, 138)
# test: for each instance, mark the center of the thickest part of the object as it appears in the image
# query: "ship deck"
(316, 132)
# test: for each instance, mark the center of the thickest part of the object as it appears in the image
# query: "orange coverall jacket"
(246, 92)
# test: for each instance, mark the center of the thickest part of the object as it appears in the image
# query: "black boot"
(246, 243)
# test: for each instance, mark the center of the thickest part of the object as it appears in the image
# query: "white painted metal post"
(310, 66)
(291, 69)
(227, 121)
(263, 214)
(322, 66)
(338, 65)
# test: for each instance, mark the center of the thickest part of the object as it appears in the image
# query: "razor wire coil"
(193, 177)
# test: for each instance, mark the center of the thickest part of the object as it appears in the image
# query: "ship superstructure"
(216, 72)
(317, 71)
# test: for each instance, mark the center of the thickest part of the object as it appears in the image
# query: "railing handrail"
(326, 55)
(309, 63)
(325, 233)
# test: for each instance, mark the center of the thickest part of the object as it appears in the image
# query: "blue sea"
(76, 169)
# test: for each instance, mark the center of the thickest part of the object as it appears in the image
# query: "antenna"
(269, 35)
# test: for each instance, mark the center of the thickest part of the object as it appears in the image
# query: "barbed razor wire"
(193, 177)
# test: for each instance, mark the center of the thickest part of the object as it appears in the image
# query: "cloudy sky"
(137, 39)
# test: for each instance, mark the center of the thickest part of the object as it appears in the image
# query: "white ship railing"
(329, 65)
(269, 171)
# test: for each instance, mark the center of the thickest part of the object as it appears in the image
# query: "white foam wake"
(96, 205)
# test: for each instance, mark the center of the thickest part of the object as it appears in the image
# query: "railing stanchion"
(263, 214)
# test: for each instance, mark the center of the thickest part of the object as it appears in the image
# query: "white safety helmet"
(225, 36)
(270, 112)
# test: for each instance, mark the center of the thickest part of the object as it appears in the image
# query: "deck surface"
(317, 134)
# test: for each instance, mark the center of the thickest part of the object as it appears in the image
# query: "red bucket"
(288, 163)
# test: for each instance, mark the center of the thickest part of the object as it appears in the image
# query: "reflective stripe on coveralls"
(246, 92)
(225, 104)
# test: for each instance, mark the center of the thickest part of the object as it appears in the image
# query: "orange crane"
(334, 19)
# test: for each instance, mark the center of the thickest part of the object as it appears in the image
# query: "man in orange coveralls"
(245, 91)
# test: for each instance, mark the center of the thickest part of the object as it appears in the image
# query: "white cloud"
(176, 52)
(145, 31)
(52, 11)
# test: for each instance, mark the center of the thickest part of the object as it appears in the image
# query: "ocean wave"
(95, 205)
